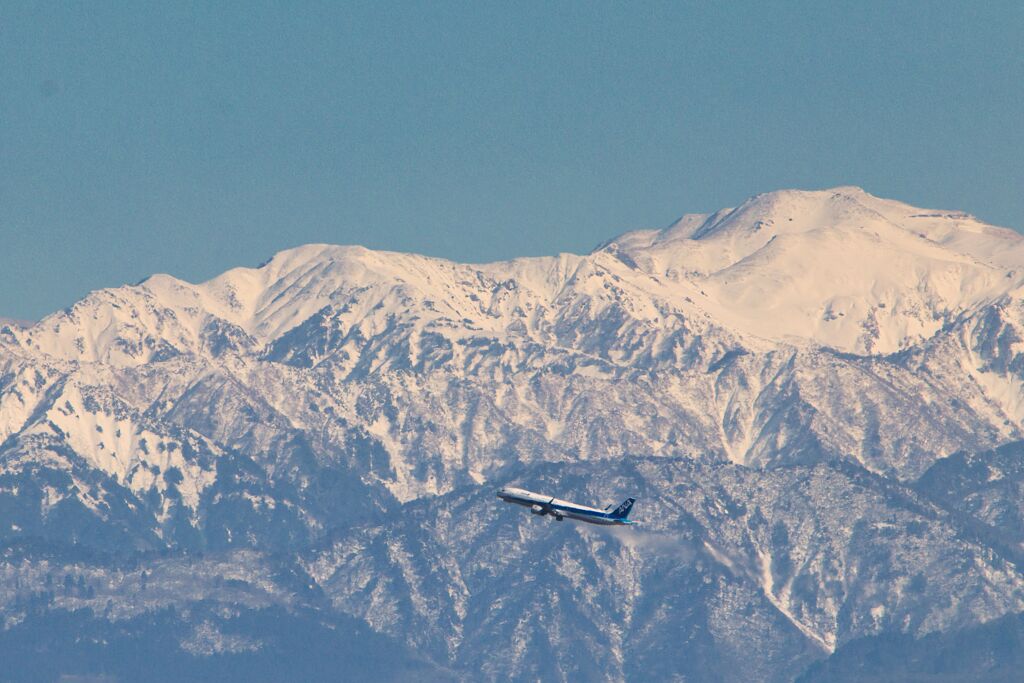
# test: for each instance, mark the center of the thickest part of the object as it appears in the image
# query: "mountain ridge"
(323, 414)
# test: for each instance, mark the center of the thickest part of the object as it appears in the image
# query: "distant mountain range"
(817, 398)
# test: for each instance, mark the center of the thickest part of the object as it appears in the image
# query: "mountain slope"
(781, 383)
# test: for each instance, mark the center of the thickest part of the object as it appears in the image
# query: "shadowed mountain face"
(312, 446)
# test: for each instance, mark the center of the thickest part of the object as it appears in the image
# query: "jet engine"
(538, 510)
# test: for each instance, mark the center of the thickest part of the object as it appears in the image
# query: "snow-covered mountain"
(773, 380)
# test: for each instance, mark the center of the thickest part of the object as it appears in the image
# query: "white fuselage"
(541, 504)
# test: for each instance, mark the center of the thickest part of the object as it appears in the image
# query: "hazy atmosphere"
(282, 400)
(189, 138)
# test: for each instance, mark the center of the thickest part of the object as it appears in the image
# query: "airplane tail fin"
(622, 512)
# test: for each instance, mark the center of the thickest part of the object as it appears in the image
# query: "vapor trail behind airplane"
(540, 504)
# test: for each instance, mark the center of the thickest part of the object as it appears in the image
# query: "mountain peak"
(848, 189)
(837, 267)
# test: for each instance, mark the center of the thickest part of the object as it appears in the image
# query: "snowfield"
(782, 383)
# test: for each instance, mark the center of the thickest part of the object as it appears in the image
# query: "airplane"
(540, 504)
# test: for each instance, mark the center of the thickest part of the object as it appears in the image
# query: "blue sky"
(188, 138)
